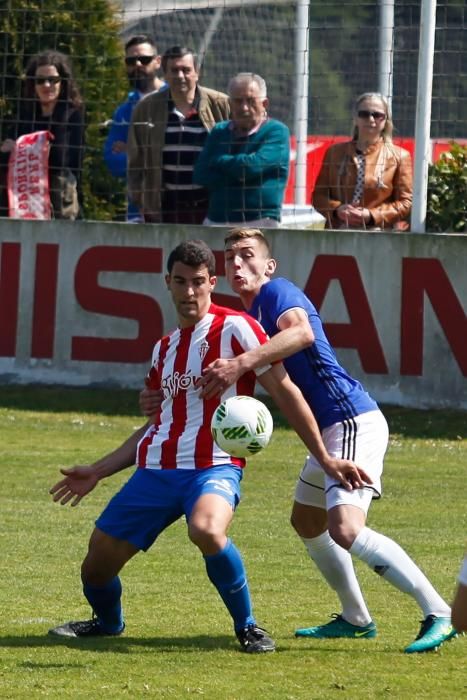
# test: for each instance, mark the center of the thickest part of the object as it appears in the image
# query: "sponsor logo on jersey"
(176, 382)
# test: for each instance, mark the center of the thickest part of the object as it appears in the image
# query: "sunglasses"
(366, 114)
(144, 60)
(52, 80)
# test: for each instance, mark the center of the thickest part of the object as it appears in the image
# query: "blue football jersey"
(331, 392)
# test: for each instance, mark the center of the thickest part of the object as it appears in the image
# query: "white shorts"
(363, 439)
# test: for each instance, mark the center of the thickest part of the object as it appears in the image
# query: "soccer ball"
(241, 426)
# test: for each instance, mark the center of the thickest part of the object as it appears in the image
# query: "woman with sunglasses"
(51, 102)
(366, 183)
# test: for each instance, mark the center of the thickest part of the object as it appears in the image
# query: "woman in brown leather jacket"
(366, 183)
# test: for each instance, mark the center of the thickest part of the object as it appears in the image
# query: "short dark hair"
(193, 253)
(140, 39)
(178, 52)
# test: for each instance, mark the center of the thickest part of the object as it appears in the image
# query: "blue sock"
(106, 603)
(226, 571)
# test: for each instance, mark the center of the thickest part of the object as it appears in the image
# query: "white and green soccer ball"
(241, 426)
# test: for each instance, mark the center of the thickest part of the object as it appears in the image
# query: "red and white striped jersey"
(180, 437)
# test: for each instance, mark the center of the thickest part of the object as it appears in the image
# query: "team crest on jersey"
(203, 349)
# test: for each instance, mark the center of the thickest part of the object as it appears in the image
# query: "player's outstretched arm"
(294, 335)
(290, 400)
(80, 480)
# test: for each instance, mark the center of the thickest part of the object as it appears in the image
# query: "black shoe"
(83, 628)
(255, 640)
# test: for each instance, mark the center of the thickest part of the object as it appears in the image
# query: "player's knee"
(202, 533)
(343, 534)
(105, 558)
(308, 522)
(89, 568)
(304, 528)
(206, 536)
(92, 574)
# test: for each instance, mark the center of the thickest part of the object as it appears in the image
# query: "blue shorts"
(151, 500)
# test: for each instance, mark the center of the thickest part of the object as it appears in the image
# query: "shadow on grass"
(167, 645)
(407, 422)
(122, 645)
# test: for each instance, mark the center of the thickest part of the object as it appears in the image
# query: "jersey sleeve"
(248, 334)
(280, 296)
(153, 380)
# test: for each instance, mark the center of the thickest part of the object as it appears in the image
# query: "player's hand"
(348, 473)
(218, 376)
(78, 482)
(7, 146)
(150, 401)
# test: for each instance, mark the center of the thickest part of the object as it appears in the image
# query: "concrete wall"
(82, 303)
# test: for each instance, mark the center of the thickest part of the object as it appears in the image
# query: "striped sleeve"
(248, 334)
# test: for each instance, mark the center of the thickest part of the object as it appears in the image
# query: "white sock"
(336, 565)
(390, 561)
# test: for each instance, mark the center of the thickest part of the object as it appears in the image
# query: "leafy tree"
(447, 192)
(88, 31)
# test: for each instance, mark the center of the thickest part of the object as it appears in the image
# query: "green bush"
(447, 192)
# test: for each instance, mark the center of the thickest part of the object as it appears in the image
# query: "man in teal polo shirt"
(245, 161)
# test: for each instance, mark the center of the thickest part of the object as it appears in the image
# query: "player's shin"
(390, 561)
(335, 564)
(227, 573)
(106, 604)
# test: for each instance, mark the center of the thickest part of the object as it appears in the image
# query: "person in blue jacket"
(142, 64)
(245, 161)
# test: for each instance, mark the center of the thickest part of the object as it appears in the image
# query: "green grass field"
(178, 642)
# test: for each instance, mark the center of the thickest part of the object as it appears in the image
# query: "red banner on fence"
(28, 177)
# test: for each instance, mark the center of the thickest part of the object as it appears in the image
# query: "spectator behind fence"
(167, 132)
(51, 101)
(245, 161)
(142, 64)
(366, 183)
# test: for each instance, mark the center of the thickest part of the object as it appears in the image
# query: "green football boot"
(433, 632)
(338, 627)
